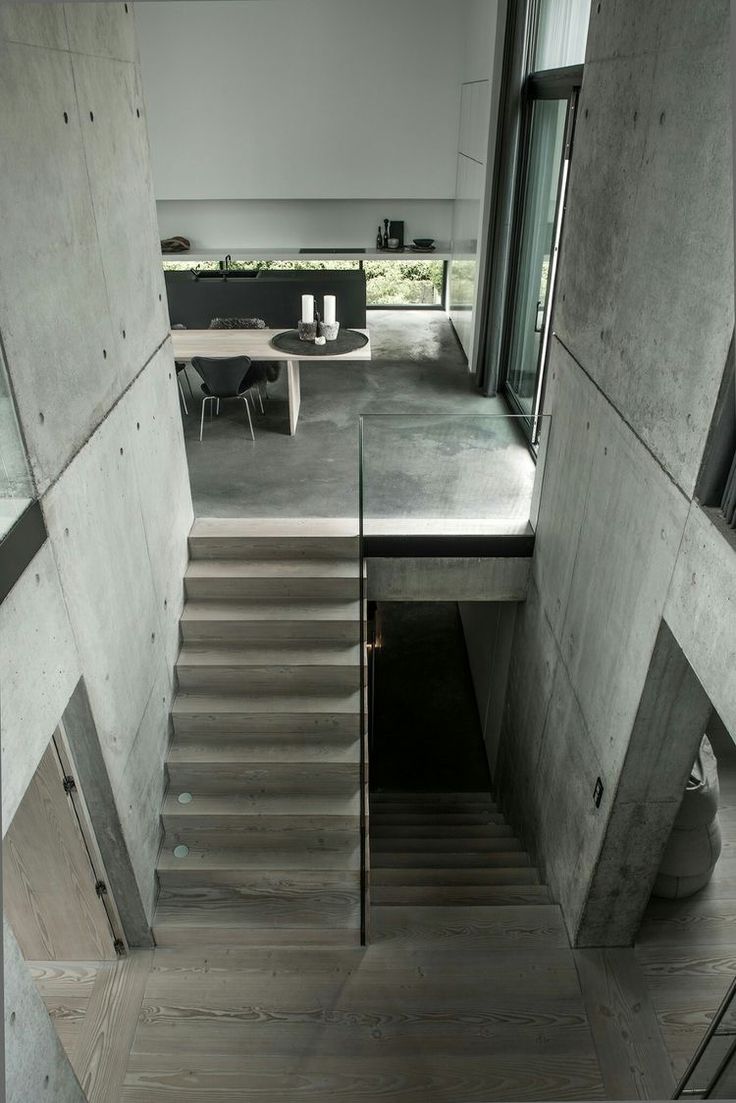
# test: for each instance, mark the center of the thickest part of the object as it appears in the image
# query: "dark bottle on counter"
(385, 233)
(379, 239)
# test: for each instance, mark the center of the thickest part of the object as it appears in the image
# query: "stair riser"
(498, 895)
(285, 679)
(300, 589)
(243, 747)
(442, 859)
(322, 779)
(437, 821)
(266, 631)
(272, 846)
(289, 900)
(503, 844)
(314, 724)
(434, 810)
(446, 877)
(459, 832)
(273, 547)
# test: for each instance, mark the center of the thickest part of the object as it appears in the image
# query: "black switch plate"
(598, 792)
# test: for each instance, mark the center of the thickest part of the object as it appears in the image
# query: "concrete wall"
(642, 327)
(84, 327)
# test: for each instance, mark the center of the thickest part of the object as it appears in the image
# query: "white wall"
(303, 99)
(478, 104)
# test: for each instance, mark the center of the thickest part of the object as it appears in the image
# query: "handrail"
(705, 1092)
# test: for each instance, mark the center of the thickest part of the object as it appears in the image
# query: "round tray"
(348, 340)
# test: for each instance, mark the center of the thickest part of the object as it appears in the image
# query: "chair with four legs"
(224, 377)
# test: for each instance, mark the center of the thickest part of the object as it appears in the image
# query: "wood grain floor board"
(110, 1025)
(433, 1077)
(633, 1058)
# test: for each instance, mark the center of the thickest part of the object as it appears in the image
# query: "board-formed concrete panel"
(629, 540)
(59, 354)
(39, 667)
(113, 126)
(157, 440)
(701, 607)
(36, 1066)
(105, 30)
(532, 667)
(447, 579)
(34, 25)
(661, 191)
(567, 773)
(565, 488)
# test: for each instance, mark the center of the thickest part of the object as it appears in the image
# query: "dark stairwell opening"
(436, 836)
(425, 731)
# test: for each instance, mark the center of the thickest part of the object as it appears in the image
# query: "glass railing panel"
(450, 475)
(16, 485)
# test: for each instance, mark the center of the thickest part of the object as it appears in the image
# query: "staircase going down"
(435, 849)
(262, 816)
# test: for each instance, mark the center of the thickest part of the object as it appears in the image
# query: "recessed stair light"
(185, 798)
(181, 851)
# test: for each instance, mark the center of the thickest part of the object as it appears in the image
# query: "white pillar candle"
(307, 308)
(329, 314)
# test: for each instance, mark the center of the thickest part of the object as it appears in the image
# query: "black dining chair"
(264, 371)
(224, 377)
(181, 369)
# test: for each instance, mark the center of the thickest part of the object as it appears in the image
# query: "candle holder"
(307, 331)
(329, 330)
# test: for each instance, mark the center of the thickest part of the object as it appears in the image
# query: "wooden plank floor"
(687, 949)
(447, 1004)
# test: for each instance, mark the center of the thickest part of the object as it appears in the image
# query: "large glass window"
(388, 282)
(531, 297)
(562, 32)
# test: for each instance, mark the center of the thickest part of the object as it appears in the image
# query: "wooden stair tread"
(272, 568)
(519, 925)
(393, 796)
(264, 748)
(434, 859)
(275, 526)
(459, 895)
(224, 657)
(471, 875)
(443, 820)
(204, 863)
(274, 610)
(189, 703)
(276, 804)
(380, 830)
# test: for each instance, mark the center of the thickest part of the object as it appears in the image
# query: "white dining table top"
(255, 343)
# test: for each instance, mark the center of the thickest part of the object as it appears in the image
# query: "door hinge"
(101, 888)
(70, 785)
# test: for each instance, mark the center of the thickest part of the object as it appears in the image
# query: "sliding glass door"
(534, 276)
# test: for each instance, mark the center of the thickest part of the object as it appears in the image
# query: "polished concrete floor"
(439, 454)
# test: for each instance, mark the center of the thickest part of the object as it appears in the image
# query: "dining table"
(258, 345)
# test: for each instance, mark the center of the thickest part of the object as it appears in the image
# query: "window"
(562, 29)
(542, 76)
(413, 283)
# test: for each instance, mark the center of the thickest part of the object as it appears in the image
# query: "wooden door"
(48, 880)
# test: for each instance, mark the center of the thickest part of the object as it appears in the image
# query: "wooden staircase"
(262, 816)
(436, 849)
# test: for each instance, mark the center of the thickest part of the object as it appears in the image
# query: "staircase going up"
(262, 815)
(437, 849)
